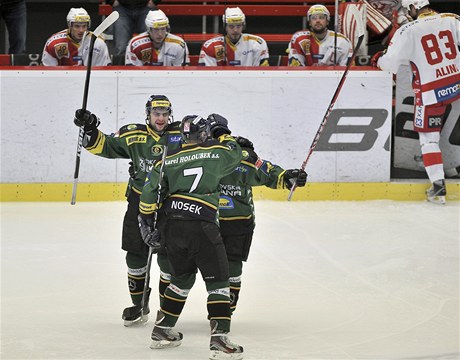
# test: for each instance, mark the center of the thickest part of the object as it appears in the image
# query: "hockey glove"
(84, 118)
(295, 176)
(132, 171)
(376, 57)
(244, 143)
(218, 125)
(149, 234)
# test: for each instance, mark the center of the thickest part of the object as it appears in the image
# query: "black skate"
(437, 192)
(164, 336)
(134, 315)
(221, 347)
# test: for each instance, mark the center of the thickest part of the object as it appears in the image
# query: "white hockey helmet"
(233, 16)
(418, 4)
(156, 19)
(318, 10)
(78, 15)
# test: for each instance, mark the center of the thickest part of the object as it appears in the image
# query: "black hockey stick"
(360, 30)
(109, 20)
(138, 311)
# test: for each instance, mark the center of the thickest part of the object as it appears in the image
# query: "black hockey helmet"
(194, 129)
(160, 103)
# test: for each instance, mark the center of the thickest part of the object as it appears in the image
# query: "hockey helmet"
(318, 10)
(194, 129)
(418, 4)
(78, 15)
(233, 16)
(160, 103)
(156, 19)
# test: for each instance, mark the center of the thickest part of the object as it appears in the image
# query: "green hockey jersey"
(236, 201)
(191, 177)
(136, 142)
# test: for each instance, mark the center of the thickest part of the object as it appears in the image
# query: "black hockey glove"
(132, 171)
(295, 176)
(149, 234)
(218, 125)
(244, 143)
(85, 118)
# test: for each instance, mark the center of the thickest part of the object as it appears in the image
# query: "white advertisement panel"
(280, 111)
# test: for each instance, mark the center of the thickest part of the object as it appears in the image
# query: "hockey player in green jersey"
(143, 144)
(236, 206)
(189, 194)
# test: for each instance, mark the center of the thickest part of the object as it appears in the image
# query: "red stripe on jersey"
(432, 159)
(314, 50)
(450, 80)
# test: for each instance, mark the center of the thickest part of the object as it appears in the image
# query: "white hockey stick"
(360, 32)
(109, 20)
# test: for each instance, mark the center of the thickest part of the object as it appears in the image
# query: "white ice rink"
(325, 280)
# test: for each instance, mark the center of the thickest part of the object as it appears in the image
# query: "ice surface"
(324, 280)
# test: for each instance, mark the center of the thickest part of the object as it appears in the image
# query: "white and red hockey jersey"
(429, 45)
(250, 50)
(141, 52)
(305, 49)
(60, 49)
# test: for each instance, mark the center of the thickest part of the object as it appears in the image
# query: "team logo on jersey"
(131, 127)
(220, 53)
(245, 154)
(174, 139)
(62, 50)
(146, 55)
(305, 45)
(226, 202)
(157, 149)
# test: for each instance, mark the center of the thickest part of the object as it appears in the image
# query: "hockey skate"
(134, 315)
(437, 192)
(221, 347)
(164, 336)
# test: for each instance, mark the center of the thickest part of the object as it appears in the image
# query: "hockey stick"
(360, 30)
(137, 311)
(336, 29)
(109, 20)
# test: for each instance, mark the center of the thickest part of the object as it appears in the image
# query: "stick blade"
(109, 20)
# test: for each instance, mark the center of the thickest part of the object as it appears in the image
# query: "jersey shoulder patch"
(217, 40)
(175, 40)
(132, 129)
(298, 34)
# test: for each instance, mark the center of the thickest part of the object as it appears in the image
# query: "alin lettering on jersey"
(185, 206)
(446, 70)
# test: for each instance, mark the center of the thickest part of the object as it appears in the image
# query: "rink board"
(280, 111)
